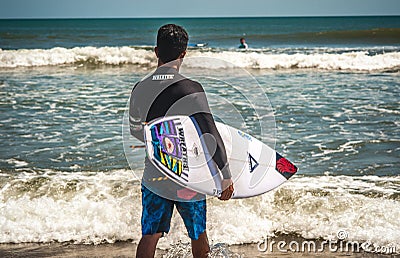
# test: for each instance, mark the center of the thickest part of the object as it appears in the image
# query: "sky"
(187, 8)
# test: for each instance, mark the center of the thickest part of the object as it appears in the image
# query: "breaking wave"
(100, 207)
(325, 59)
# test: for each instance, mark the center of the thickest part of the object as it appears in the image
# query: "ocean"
(324, 92)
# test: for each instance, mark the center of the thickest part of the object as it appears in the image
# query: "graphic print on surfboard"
(175, 146)
(284, 166)
(169, 149)
(253, 164)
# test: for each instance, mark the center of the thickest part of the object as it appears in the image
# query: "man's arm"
(192, 101)
(215, 144)
(135, 121)
(196, 105)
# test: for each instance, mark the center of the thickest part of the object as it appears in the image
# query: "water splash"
(183, 250)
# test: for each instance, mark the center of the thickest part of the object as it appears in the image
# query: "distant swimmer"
(243, 44)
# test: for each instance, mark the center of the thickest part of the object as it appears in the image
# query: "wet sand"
(128, 249)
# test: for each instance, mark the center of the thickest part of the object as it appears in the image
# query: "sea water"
(332, 85)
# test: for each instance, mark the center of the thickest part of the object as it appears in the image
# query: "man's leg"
(200, 247)
(156, 218)
(194, 216)
(147, 246)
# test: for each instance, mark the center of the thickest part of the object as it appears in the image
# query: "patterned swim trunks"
(157, 213)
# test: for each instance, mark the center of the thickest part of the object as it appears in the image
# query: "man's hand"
(227, 187)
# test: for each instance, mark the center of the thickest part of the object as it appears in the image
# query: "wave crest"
(59, 56)
(357, 60)
(105, 207)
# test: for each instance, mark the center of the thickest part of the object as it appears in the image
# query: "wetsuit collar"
(166, 69)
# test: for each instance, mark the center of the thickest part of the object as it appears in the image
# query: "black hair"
(172, 41)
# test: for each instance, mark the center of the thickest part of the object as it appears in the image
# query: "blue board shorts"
(157, 213)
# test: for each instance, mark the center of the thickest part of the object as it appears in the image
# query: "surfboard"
(176, 146)
(204, 44)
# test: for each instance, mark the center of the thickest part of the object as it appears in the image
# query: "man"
(243, 44)
(164, 93)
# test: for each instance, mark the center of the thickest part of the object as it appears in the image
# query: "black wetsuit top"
(166, 93)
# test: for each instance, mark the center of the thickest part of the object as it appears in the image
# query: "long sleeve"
(195, 104)
(214, 142)
(154, 98)
(135, 120)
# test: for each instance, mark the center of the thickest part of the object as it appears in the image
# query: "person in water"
(243, 44)
(164, 93)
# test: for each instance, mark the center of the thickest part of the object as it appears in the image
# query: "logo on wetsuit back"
(169, 146)
(161, 77)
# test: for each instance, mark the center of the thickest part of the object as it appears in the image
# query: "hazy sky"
(187, 8)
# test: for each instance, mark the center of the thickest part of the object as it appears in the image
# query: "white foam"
(358, 60)
(58, 56)
(17, 163)
(106, 207)
(349, 146)
(314, 207)
(83, 208)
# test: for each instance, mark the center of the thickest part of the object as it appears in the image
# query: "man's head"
(242, 40)
(171, 43)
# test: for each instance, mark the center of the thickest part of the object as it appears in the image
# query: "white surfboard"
(176, 147)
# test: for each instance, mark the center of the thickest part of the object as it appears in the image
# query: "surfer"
(243, 44)
(166, 92)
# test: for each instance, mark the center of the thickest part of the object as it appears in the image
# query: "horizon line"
(203, 17)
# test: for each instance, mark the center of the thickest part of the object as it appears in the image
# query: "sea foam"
(356, 60)
(106, 207)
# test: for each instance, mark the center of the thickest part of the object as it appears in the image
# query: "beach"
(323, 92)
(128, 249)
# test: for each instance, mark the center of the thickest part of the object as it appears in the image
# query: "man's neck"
(176, 64)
